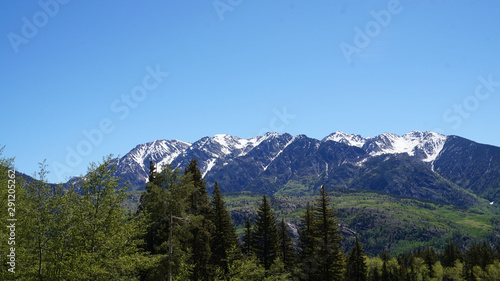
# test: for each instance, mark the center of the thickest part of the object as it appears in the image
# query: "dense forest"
(181, 232)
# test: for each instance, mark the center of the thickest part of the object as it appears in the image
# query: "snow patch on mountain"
(349, 139)
(230, 144)
(424, 145)
(210, 165)
(278, 154)
(160, 151)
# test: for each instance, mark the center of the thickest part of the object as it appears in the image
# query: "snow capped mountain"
(210, 151)
(159, 151)
(230, 144)
(220, 150)
(428, 144)
(412, 164)
(341, 137)
(274, 162)
(136, 162)
(423, 145)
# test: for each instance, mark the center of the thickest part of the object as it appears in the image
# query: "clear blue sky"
(239, 67)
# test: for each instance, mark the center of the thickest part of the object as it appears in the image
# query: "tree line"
(181, 232)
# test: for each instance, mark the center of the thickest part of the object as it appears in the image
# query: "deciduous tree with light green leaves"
(47, 224)
(104, 240)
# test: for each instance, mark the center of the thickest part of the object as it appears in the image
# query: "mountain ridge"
(285, 164)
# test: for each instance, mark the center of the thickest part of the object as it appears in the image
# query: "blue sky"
(83, 79)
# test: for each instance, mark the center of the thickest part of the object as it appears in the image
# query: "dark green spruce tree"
(430, 258)
(331, 260)
(164, 203)
(386, 274)
(201, 225)
(287, 249)
(356, 269)
(224, 238)
(247, 247)
(199, 201)
(450, 255)
(307, 248)
(266, 238)
(152, 172)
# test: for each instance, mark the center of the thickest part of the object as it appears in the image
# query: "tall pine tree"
(247, 247)
(224, 238)
(331, 260)
(164, 203)
(307, 248)
(356, 269)
(266, 239)
(152, 172)
(451, 254)
(201, 225)
(288, 254)
(199, 201)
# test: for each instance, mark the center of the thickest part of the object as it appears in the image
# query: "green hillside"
(383, 222)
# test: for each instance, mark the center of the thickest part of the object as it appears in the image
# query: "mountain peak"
(424, 145)
(349, 139)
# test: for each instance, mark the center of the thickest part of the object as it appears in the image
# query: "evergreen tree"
(384, 256)
(450, 255)
(307, 248)
(266, 239)
(247, 245)
(224, 237)
(487, 255)
(331, 260)
(201, 225)
(478, 255)
(288, 254)
(386, 274)
(356, 265)
(164, 203)
(430, 258)
(152, 172)
(199, 201)
(165, 196)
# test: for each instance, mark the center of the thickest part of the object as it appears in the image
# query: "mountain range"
(422, 165)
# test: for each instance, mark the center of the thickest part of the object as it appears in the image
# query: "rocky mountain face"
(423, 165)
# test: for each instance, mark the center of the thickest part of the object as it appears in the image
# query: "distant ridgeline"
(420, 165)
